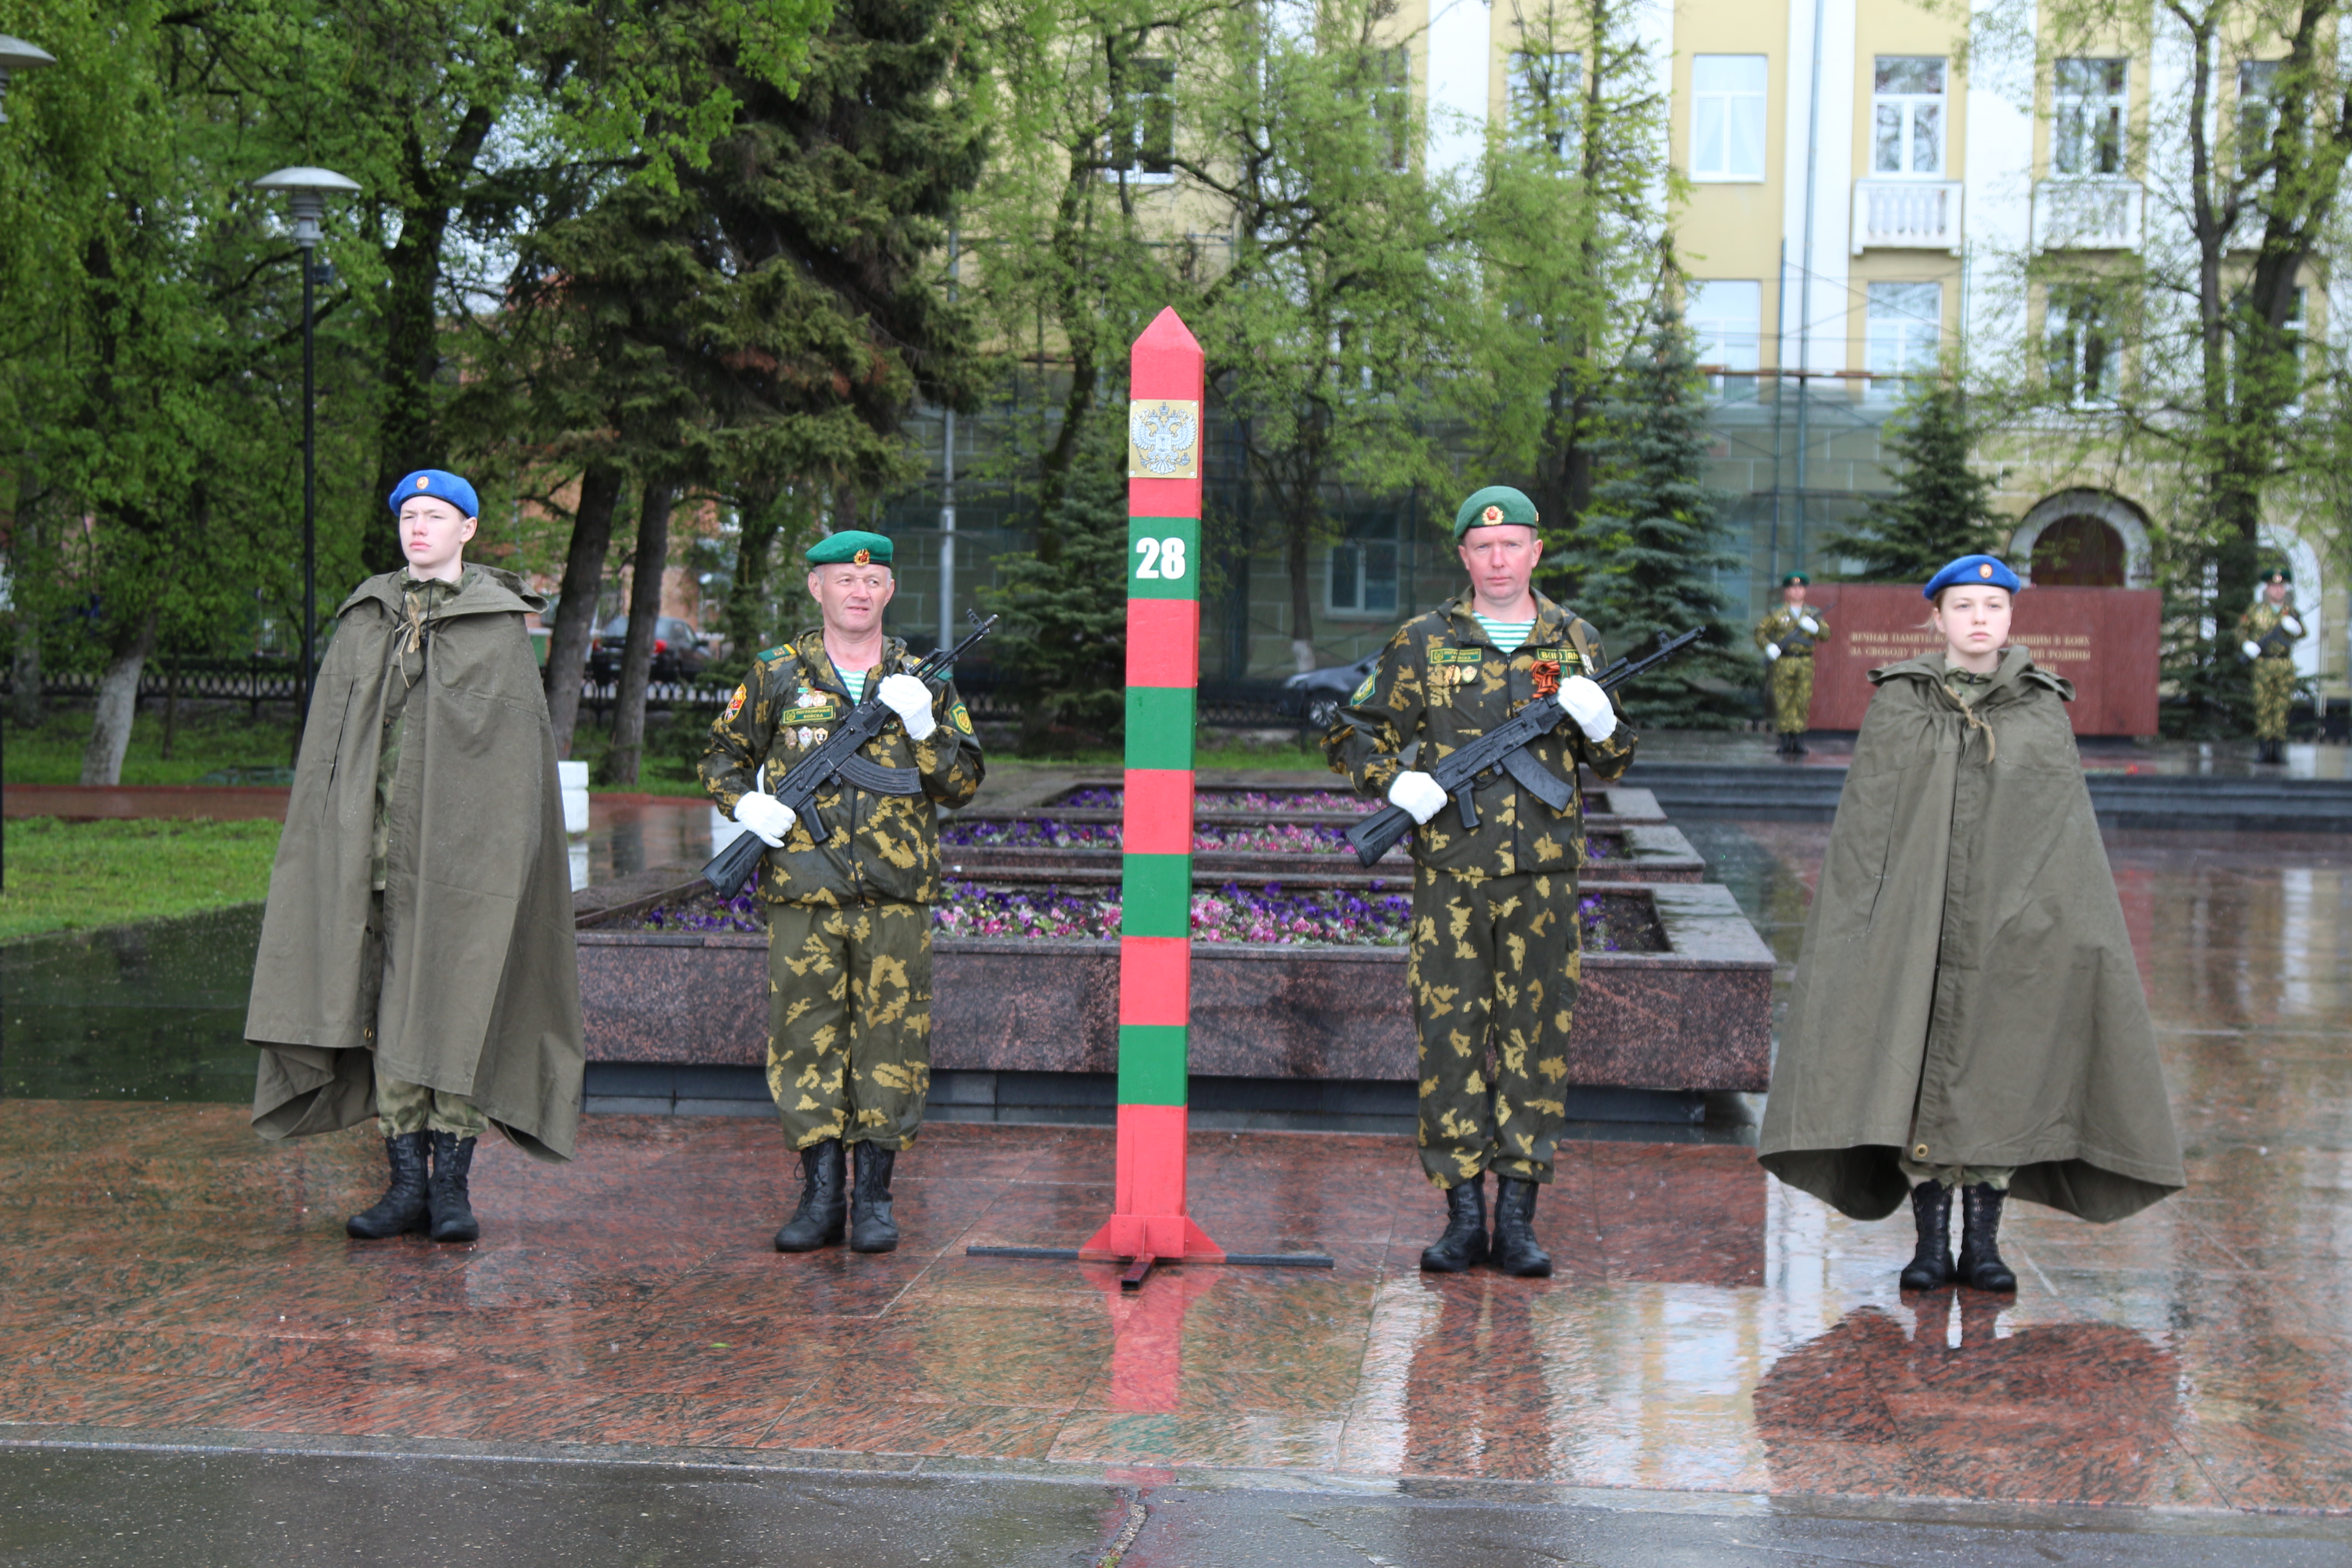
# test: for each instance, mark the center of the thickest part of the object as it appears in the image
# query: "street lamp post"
(308, 190)
(18, 56)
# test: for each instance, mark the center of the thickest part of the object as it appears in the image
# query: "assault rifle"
(1506, 747)
(837, 758)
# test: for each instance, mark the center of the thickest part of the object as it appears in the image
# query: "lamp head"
(16, 55)
(307, 191)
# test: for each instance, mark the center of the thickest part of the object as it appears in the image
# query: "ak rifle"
(1506, 747)
(837, 758)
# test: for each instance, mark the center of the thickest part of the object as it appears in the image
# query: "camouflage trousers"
(1493, 975)
(402, 1107)
(849, 1021)
(2274, 691)
(1792, 693)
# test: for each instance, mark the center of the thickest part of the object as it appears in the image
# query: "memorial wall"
(2105, 640)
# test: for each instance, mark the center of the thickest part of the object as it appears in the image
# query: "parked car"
(679, 651)
(1318, 695)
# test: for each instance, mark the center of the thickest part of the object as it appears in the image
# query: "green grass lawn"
(75, 876)
(206, 741)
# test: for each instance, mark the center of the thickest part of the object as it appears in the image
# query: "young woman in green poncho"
(1967, 1015)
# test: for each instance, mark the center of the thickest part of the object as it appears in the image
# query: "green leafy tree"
(1941, 506)
(1653, 544)
(1063, 645)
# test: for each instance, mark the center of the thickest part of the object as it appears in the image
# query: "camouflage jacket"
(1440, 683)
(1780, 626)
(2261, 625)
(883, 847)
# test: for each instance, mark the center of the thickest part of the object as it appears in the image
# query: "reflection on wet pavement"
(160, 1269)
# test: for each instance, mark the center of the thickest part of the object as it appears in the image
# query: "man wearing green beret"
(1496, 956)
(1788, 636)
(2267, 634)
(849, 919)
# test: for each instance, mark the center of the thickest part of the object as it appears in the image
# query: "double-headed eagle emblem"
(1165, 435)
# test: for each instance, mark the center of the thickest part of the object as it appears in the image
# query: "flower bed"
(1208, 837)
(1256, 802)
(1266, 916)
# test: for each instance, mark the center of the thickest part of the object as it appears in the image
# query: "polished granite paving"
(166, 1278)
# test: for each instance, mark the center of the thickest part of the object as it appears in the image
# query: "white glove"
(1418, 794)
(2252, 649)
(911, 700)
(765, 818)
(1589, 706)
(2294, 627)
(1771, 651)
(1812, 627)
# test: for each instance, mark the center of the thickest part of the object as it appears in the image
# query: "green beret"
(1796, 580)
(850, 547)
(1494, 506)
(2278, 574)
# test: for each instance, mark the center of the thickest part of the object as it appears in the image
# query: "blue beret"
(437, 484)
(1981, 571)
(851, 546)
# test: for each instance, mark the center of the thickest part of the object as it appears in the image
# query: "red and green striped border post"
(1163, 678)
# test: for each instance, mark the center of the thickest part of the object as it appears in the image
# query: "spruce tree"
(1063, 643)
(1655, 544)
(1941, 508)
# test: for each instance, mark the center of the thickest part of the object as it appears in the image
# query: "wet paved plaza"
(165, 1277)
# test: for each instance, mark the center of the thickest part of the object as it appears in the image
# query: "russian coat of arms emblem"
(1163, 435)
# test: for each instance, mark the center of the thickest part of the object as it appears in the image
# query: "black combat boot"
(1930, 1268)
(871, 1228)
(1463, 1245)
(402, 1207)
(824, 1201)
(453, 1208)
(1980, 1263)
(1515, 1251)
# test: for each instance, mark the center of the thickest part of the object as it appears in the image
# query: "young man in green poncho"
(1967, 1015)
(416, 961)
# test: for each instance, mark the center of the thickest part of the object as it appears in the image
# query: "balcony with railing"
(2102, 214)
(1906, 214)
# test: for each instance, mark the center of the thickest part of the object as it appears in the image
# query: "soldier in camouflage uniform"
(2268, 632)
(849, 920)
(1788, 636)
(1494, 948)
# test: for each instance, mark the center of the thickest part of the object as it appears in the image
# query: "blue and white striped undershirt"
(856, 684)
(1507, 635)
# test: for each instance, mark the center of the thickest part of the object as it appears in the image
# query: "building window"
(1143, 138)
(1904, 323)
(2082, 360)
(1364, 569)
(1544, 87)
(1726, 320)
(1907, 115)
(1727, 117)
(2257, 110)
(2092, 104)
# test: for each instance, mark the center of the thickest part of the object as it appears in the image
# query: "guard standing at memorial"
(849, 920)
(1787, 637)
(2267, 634)
(1496, 955)
(416, 961)
(1967, 1015)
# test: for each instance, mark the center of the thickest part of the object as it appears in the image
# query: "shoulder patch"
(735, 704)
(774, 654)
(1365, 689)
(962, 717)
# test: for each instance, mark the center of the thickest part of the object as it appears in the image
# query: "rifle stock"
(733, 866)
(1458, 775)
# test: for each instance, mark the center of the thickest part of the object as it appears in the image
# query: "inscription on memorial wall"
(2105, 640)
